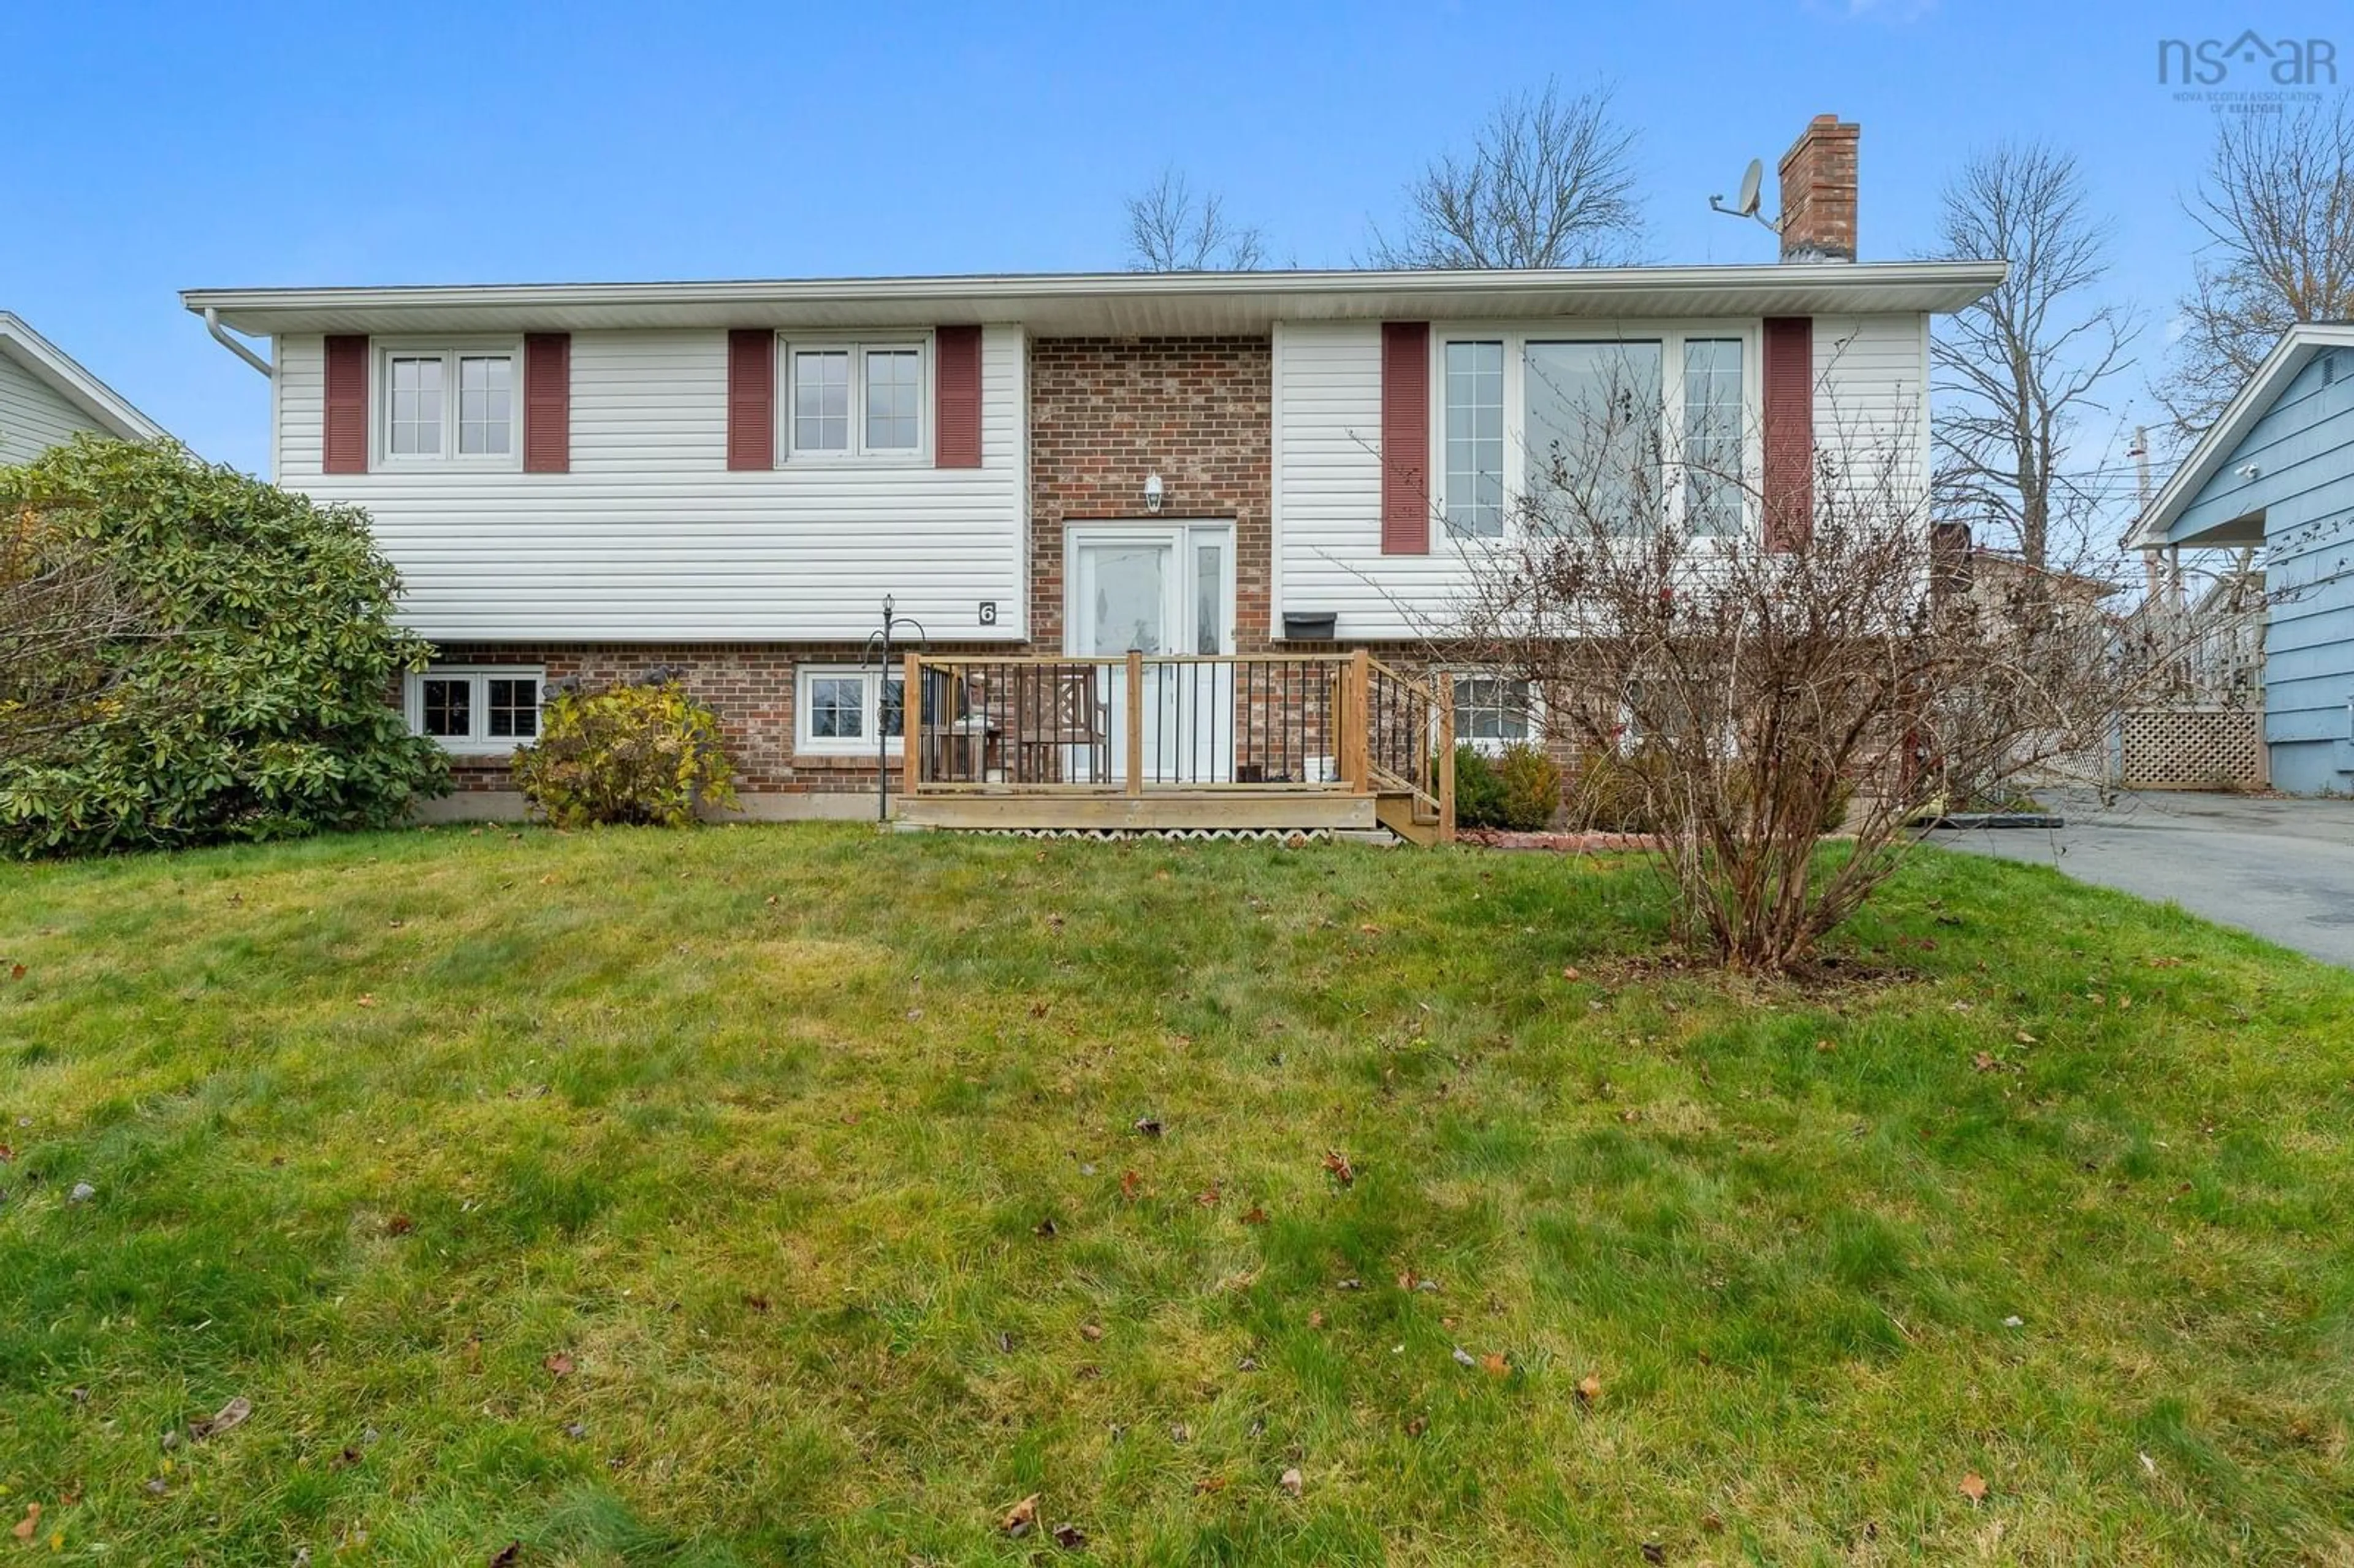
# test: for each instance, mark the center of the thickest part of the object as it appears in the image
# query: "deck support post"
(1445, 761)
(911, 714)
(1359, 765)
(1135, 722)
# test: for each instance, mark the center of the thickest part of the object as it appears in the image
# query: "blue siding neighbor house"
(2276, 471)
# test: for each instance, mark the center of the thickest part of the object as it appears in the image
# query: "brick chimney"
(1818, 191)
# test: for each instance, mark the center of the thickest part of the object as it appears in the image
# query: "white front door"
(1166, 592)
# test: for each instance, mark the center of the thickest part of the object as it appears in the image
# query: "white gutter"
(235, 346)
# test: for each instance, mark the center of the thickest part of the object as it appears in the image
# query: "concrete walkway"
(2281, 869)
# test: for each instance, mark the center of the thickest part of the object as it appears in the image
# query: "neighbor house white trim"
(108, 410)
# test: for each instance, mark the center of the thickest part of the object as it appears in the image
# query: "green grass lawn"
(758, 1195)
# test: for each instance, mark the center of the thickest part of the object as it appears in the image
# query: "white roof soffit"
(61, 373)
(1115, 303)
(2295, 350)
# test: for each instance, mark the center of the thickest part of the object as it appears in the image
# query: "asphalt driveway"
(2281, 869)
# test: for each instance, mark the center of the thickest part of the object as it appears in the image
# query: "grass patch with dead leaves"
(758, 1195)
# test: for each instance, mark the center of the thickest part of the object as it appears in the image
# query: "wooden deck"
(1334, 742)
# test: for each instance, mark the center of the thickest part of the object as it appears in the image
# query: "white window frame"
(481, 743)
(1492, 745)
(449, 350)
(872, 676)
(857, 345)
(1669, 335)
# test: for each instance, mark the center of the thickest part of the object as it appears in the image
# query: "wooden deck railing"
(1324, 723)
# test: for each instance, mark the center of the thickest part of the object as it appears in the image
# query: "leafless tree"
(1740, 660)
(2016, 372)
(65, 618)
(1549, 181)
(1172, 228)
(2277, 206)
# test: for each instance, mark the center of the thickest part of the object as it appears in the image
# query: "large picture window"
(1622, 430)
(1492, 712)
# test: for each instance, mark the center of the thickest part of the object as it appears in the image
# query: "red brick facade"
(1106, 414)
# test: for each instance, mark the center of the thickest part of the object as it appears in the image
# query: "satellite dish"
(1745, 205)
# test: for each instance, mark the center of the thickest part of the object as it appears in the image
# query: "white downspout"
(235, 346)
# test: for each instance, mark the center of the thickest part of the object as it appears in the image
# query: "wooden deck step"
(1398, 810)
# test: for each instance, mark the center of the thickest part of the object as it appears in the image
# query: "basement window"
(484, 710)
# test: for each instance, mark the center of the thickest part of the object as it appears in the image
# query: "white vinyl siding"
(1328, 466)
(1871, 409)
(33, 418)
(650, 535)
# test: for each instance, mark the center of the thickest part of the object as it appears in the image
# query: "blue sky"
(321, 144)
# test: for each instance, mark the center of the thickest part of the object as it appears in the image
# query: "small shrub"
(1613, 794)
(629, 754)
(1478, 792)
(1529, 784)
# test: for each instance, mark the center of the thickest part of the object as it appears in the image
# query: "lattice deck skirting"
(1290, 837)
(2197, 748)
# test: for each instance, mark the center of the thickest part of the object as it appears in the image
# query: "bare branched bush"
(1172, 228)
(2277, 205)
(2018, 370)
(1551, 180)
(1738, 660)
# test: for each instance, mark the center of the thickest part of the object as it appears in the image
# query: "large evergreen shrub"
(241, 683)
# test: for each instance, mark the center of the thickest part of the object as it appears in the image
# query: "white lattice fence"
(2197, 748)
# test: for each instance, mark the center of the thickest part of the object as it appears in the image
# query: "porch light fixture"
(1152, 494)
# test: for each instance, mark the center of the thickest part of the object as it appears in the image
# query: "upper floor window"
(1620, 432)
(441, 403)
(855, 399)
(488, 709)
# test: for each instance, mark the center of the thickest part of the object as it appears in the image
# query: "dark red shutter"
(547, 402)
(1789, 421)
(344, 442)
(955, 398)
(1405, 438)
(752, 398)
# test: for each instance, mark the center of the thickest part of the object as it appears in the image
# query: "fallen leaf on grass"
(1091, 1332)
(1973, 1487)
(368, 999)
(756, 1303)
(507, 1556)
(1044, 1230)
(1070, 1537)
(1343, 1172)
(229, 1418)
(1130, 1184)
(1256, 1217)
(1292, 1481)
(1207, 1198)
(1417, 1426)
(1316, 1320)
(1982, 1062)
(1020, 1517)
(1589, 1389)
(1494, 1364)
(1712, 1522)
(400, 1225)
(1654, 1552)
(1569, 973)
(1209, 1486)
(559, 1364)
(15, 971)
(29, 1524)
(1370, 929)
(1148, 1126)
